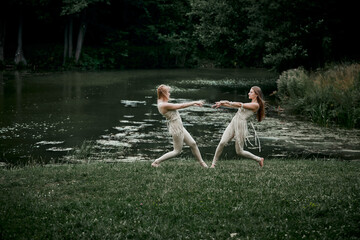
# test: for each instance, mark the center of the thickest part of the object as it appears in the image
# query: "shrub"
(328, 96)
(291, 85)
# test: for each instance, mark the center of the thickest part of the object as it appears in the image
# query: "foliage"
(45, 57)
(282, 38)
(217, 28)
(75, 6)
(287, 199)
(174, 33)
(291, 85)
(277, 34)
(327, 96)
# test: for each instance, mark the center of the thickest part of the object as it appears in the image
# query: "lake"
(112, 116)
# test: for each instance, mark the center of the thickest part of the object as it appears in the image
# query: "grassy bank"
(328, 96)
(287, 199)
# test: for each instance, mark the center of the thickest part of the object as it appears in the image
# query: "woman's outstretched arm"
(176, 106)
(226, 103)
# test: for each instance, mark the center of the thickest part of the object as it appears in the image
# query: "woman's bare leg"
(178, 142)
(226, 137)
(240, 151)
(188, 139)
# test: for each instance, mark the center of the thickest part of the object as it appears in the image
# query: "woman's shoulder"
(253, 106)
(165, 105)
(162, 107)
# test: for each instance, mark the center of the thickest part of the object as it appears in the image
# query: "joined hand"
(220, 103)
(199, 103)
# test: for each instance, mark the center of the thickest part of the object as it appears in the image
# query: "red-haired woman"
(238, 126)
(175, 126)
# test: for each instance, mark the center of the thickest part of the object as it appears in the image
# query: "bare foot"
(261, 163)
(203, 164)
(155, 164)
(212, 166)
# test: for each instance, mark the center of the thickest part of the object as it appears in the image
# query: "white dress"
(174, 122)
(240, 125)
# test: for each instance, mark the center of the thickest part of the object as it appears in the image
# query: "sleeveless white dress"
(174, 123)
(240, 125)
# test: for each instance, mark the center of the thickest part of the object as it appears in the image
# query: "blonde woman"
(175, 126)
(238, 126)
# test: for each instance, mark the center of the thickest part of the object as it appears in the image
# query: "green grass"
(287, 199)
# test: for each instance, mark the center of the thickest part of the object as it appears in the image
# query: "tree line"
(106, 34)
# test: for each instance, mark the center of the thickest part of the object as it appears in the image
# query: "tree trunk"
(19, 55)
(66, 37)
(2, 89)
(70, 37)
(2, 39)
(81, 37)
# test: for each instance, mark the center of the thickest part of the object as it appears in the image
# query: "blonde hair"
(162, 90)
(260, 99)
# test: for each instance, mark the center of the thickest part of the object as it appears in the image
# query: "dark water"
(113, 116)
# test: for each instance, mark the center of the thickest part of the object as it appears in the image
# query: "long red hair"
(260, 99)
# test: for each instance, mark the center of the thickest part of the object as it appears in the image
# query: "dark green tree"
(280, 31)
(80, 9)
(218, 27)
(2, 35)
(174, 31)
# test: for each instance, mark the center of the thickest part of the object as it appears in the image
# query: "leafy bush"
(45, 56)
(291, 85)
(328, 96)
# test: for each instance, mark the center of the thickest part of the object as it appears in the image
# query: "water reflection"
(49, 115)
